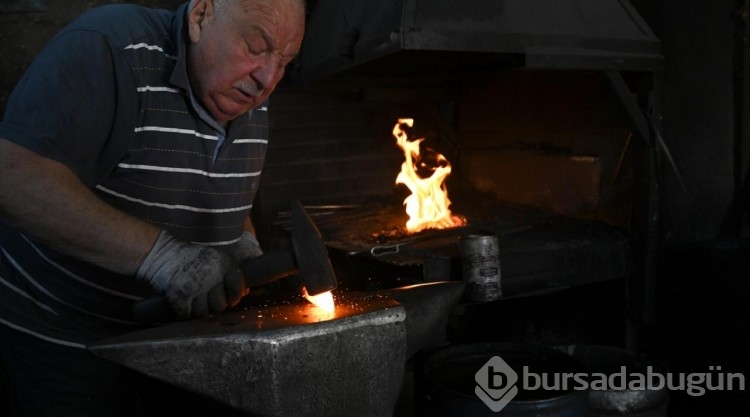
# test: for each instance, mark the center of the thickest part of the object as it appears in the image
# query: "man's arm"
(46, 200)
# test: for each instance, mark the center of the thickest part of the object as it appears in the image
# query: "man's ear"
(200, 15)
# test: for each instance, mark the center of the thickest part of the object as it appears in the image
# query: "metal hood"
(402, 36)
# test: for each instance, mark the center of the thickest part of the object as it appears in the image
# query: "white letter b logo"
(496, 383)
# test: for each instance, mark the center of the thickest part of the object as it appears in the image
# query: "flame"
(323, 301)
(427, 206)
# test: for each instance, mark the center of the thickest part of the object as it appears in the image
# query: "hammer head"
(315, 269)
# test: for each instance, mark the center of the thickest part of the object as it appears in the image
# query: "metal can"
(480, 257)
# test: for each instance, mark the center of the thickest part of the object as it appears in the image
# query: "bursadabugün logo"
(497, 382)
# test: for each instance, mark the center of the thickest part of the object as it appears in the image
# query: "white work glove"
(245, 248)
(196, 280)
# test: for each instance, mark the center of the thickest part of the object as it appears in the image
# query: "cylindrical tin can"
(480, 257)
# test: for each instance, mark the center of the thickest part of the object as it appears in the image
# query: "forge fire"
(428, 206)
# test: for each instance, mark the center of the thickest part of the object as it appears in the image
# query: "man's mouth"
(244, 97)
(248, 93)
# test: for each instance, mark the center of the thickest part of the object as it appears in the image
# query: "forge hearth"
(548, 129)
(538, 249)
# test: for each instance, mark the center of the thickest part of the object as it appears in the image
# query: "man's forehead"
(274, 8)
(281, 30)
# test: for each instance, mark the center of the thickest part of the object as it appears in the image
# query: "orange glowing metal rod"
(323, 301)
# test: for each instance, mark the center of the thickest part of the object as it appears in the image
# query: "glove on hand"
(245, 248)
(196, 280)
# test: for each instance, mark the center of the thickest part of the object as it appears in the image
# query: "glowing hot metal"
(323, 301)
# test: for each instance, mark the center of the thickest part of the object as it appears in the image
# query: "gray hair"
(220, 6)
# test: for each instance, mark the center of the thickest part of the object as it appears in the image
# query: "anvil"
(293, 359)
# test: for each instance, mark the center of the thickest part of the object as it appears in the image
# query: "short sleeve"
(65, 105)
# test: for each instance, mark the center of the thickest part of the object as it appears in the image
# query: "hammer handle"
(257, 271)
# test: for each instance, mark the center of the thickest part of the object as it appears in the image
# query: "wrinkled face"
(237, 56)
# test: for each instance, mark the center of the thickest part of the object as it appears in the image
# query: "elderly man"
(130, 154)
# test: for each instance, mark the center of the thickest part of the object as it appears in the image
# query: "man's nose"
(268, 73)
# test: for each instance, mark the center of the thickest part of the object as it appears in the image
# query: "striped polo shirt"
(110, 98)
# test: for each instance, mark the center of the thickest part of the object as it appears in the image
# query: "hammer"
(308, 258)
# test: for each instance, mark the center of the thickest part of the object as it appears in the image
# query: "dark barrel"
(450, 382)
(609, 360)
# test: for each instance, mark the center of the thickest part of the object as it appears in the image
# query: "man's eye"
(257, 50)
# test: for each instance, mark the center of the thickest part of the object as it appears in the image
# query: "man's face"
(237, 56)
